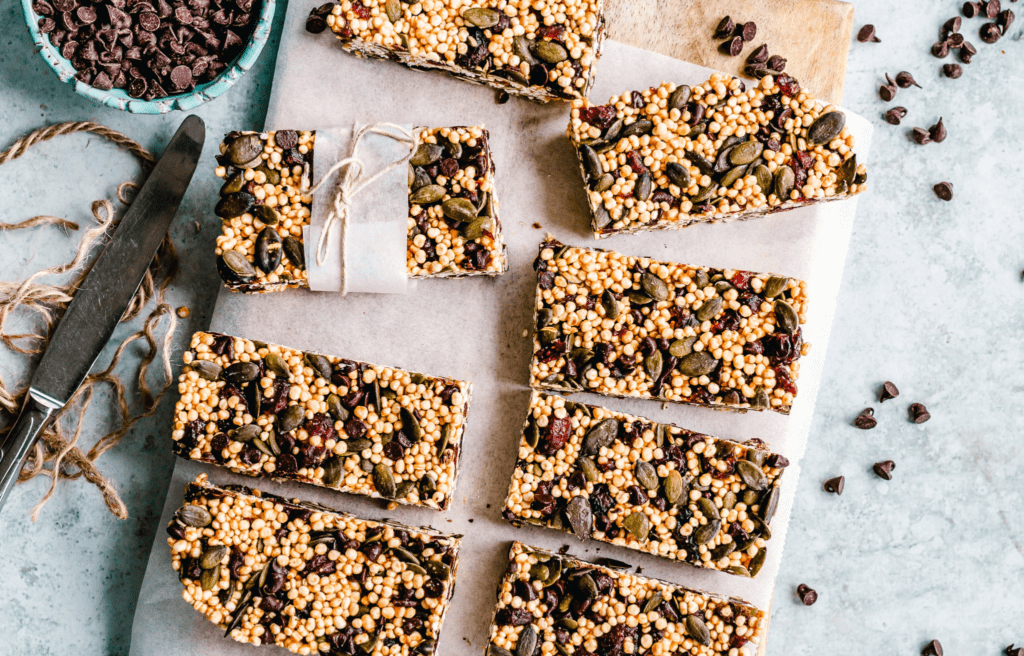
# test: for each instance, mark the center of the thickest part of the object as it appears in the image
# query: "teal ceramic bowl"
(119, 98)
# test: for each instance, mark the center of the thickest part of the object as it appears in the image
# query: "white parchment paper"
(479, 329)
(366, 253)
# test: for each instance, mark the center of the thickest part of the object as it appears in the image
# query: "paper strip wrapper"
(481, 329)
(368, 252)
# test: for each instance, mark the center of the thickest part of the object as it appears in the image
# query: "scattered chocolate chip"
(866, 419)
(748, 31)
(1014, 651)
(835, 485)
(933, 648)
(918, 413)
(952, 25)
(895, 115)
(889, 391)
(725, 28)
(315, 24)
(867, 33)
(502, 97)
(759, 55)
(806, 594)
(905, 79)
(943, 190)
(887, 92)
(1005, 19)
(884, 469)
(955, 40)
(940, 49)
(991, 10)
(971, 9)
(733, 46)
(921, 136)
(938, 132)
(952, 71)
(990, 33)
(777, 63)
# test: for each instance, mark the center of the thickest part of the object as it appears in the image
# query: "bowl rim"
(119, 99)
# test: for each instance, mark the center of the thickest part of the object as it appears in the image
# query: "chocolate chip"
(502, 97)
(943, 190)
(918, 413)
(990, 32)
(181, 77)
(889, 391)
(952, 25)
(884, 469)
(940, 49)
(749, 31)
(759, 55)
(938, 132)
(991, 10)
(286, 139)
(725, 28)
(895, 115)
(835, 485)
(867, 33)
(952, 70)
(1005, 19)
(933, 648)
(1014, 651)
(866, 419)
(887, 92)
(732, 47)
(806, 594)
(968, 49)
(777, 63)
(921, 136)
(971, 9)
(955, 40)
(905, 79)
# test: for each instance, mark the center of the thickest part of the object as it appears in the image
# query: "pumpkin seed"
(527, 642)
(760, 400)
(600, 436)
(785, 181)
(710, 309)
(639, 526)
(567, 623)
(272, 442)
(733, 174)
(295, 253)
(589, 469)
(268, 250)
(459, 209)
(682, 347)
(745, 153)
(495, 650)
(775, 286)
(769, 504)
(446, 436)
(263, 447)
(410, 424)
(370, 645)
(826, 128)
(646, 474)
(481, 17)
(749, 497)
(428, 486)
(653, 365)
(610, 305)
(335, 407)
(701, 279)
(602, 219)
(521, 46)
(554, 572)
(679, 98)
(591, 161)
(276, 363)
(234, 184)
(550, 51)
(764, 178)
(706, 532)
(786, 317)
(604, 183)
(698, 363)
(539, 572)
(213, 556)
(722, 550)
(210, 578)
(235, 205)
(273, 175)
(673, 486)
(475, 229)
(245, 433)
(697, 630)
(547, 335)
(333, 469)
(580, 516)
(532, 434)
(704, 193)
(437, 569)
(729, 500)
(206, 369)
(357, 445)
(756, 456)
(426, 154)
(405, 488)
(426, 195)
(678, 175)
(393, 8)
(384, 481)
(653, 602)
(644, 187)
(757, 562)
(267, 215)
(637, 128)
(708, 508)
(654, 286)
(637, 297)
(586, 587)
(848, 171)
(290, 418)
(244, 148)
(242, 372)
(237, 266)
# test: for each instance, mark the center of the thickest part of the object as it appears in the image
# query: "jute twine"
(58, 454)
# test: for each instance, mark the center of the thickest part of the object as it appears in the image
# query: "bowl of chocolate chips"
(150, 56)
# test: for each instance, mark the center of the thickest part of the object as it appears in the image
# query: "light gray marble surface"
(932, 299)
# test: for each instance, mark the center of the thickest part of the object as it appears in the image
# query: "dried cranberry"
(741, 279)
(637, 100)
(783, 380)
(321, 425)
(355, 428)
(509, 616)
(553, 32)
(278, 401)
(558, 432)
(312, 456)
(600, 117)
(449, 167)
(754, 348)
(546, 279)
(635, 161)
(637, 496)
(286, 464)
(394, 450)
(360, 10)
(601, 500)
(662, 196)
(372, 550)
(235, 563)
(552, 352)
(788, 85)
(251, 455)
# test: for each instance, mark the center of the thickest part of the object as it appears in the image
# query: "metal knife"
(103, 297)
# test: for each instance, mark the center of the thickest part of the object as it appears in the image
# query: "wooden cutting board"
(813, 35)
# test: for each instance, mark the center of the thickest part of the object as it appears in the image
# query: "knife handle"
(31, 422)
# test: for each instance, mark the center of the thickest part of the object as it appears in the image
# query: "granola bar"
(541, 51)
(454, 229)
(556, 604)
(267, 410)
(671, 156)
(629, 326)
(309, 578)
(646, 486)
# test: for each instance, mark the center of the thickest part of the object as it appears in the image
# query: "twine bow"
(352, 179)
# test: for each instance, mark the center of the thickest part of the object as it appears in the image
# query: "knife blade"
(103, 296)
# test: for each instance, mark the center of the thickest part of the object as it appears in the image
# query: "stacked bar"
(542, 52)
(454, 229)
(671, 156)
(554, 604)
(633, 327)
(646, 486)
(310, 579)
(267, 410)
